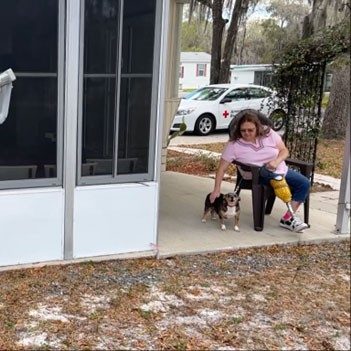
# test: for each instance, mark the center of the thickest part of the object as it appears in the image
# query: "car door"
(258, 99)
(236, 100)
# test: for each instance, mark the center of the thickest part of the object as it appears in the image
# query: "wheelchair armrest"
(304, 167)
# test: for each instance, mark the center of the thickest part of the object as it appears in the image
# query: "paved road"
(190, 139)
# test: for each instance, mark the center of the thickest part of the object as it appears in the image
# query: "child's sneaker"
(294, 224)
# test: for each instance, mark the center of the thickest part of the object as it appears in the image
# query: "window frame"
(58, 180)
(198, 69)
(115, 178)
(181, 72)
(244, 90)
(253, 92)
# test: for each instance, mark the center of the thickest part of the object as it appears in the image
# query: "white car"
(213, 107)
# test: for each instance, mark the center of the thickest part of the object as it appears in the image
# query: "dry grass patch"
(292, 298)
(330, 156)
(329, 160)
(201, 165)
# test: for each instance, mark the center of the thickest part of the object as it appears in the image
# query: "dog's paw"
(203, 220)
(236, 228)
(223, 227)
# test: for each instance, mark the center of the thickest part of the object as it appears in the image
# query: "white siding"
(31, 226)
(245, 74)
(114, 219)
(242, 77)
(189, 62)
(190, 80)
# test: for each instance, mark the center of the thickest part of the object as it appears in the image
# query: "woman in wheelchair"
(251, 142)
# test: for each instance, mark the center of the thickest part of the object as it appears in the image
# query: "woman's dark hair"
(262, 123)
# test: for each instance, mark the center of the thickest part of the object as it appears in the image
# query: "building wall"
(188, 75)
(72, 214)
(242, 77)
(105, 226)
(31, 225)
(245, 74)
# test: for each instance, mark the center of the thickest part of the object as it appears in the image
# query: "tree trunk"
(240, 9)
(241, 51)
(220, 66)
(217, 37)
(336, 115)
(324, 13)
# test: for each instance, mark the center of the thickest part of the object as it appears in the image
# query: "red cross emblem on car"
(225, 114)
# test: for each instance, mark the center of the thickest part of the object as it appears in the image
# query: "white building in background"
(250, 74)
(194, 70)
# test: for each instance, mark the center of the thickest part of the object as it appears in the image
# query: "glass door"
(32, 45)
(117, 110)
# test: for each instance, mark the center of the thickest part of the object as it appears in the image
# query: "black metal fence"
(302, 98)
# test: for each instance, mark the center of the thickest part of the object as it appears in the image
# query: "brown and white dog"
(225, 206)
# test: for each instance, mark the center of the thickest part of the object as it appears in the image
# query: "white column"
(171, 52)
(71, 118)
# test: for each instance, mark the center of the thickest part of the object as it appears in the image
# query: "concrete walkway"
(182, 232)
(182, 199)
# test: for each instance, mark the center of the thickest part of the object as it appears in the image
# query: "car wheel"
(278, 119)
(204, 125)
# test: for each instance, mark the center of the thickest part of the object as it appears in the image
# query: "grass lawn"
(329, 161)
(270, 298)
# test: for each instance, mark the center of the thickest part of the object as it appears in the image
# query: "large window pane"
(28, 137)
(117, 90)
(28, 35)
(28, 45)
(138, 36)
(136, 87)
(99, 86)
(98, 125)
(100, 38)
(134, 126)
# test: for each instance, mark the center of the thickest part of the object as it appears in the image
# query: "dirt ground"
(329, 159)
(276, 298)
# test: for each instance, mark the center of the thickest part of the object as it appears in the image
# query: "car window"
(206, 93)
(258, 93)
(238, 94)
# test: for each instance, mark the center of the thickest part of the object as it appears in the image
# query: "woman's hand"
(282, 155)
(272, 165)
(214, 196)
(223, 165)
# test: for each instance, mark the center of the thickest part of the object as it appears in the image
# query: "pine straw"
(292, 297)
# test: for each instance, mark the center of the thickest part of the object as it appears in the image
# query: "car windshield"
(206, 94)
